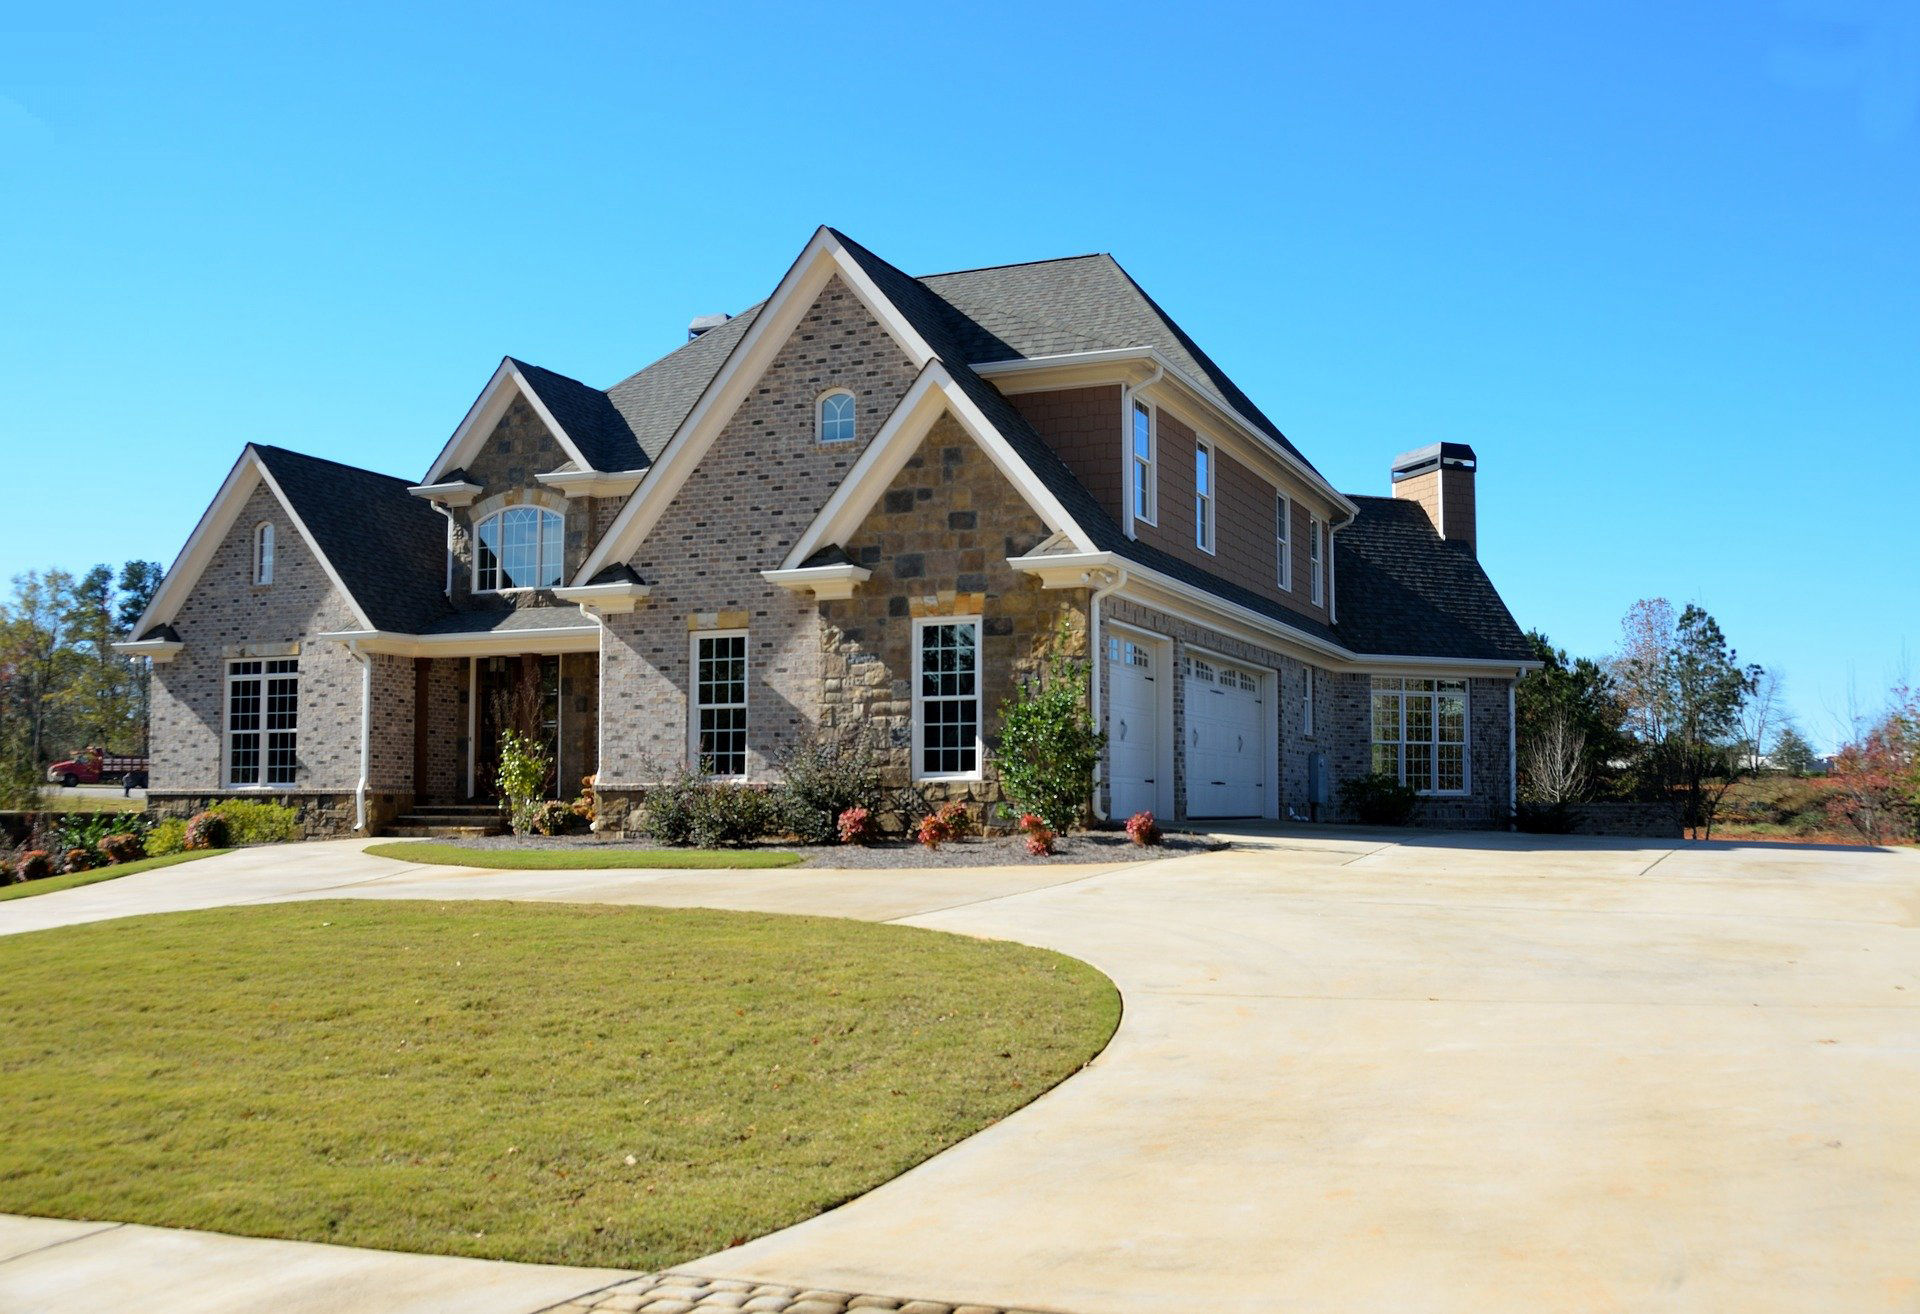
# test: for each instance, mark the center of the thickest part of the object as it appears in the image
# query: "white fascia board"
(605, 598)
(457, 493)
(248, 473)
(1115, 363)
(829, 583)
(479, 643)
(593, 483)
(932, 394)
(1067, 570)
(161, 651)
(823, 257)
(487, 408)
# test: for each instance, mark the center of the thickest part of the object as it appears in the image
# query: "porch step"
(449, 820)
(406, 829)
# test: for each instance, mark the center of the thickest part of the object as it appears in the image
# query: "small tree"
(1049, 744)
(1793, 754)
(522, 778)
(1553, 768)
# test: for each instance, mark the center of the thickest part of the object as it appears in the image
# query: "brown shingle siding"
(1086, 427)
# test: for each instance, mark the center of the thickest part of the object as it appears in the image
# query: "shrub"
(959, 821)
(1048, 744)
(856, 826)
(123, 847)
(933, 831)
(666, 811)
(169, 836)
(587, 806)
(823, 778)
(729, 815)
(34, 865)
(207, 830)
(525, 765)
(1040, 835)
(8, 876)
(256, 821)
(1378, 799)
(1143, 830)
(79, 859)
(553, 818)
(1543, 818)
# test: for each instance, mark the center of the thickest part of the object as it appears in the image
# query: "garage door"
(1226, 742)
(1133, 727)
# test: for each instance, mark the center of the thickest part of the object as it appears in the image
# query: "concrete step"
(404, 829)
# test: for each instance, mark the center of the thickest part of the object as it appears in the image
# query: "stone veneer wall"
(227, 616)
(937, 544)
(759, 486)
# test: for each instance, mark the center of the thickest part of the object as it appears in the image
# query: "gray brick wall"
(758, 488)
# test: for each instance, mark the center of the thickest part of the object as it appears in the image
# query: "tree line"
(1675, 716)
(62, 687)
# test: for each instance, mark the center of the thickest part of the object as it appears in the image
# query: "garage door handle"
(1123, 730)
(1239, 743)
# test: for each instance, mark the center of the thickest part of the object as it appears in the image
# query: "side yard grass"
(540, 859)
(595, 1085)
(48, 885)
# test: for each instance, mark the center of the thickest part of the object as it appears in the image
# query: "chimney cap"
(703, 323)
(1422, 459)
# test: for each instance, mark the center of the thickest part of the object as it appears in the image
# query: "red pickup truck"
(90, 766)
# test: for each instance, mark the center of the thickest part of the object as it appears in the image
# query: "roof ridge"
(1019, 264)
(327, 460)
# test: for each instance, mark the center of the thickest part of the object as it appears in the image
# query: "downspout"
(1513, 763)
(366, 734)
(1099, 664)
(447, 511)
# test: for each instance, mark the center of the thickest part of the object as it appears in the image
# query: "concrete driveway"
(1363, 1073)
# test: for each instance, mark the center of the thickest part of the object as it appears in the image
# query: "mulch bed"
(986, 851)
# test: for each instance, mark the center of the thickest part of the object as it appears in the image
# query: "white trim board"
(485, 413)
(824, 257)
(216, 522)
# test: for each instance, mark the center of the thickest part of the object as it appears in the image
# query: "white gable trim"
(932, 394)
(248, 473)
(825, 256)
(506, 383)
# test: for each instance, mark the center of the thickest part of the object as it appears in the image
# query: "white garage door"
(1133, 727)
(1226, 741)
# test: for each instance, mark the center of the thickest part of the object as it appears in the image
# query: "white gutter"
(1513, 764)
(366, 734)
(1099, 663)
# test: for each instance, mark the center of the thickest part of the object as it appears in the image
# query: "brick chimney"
(1439, 477)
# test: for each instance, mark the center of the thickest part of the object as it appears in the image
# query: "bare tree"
(1759, 715)
(1553, 760)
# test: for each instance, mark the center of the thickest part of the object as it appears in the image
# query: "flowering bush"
(934, 831)
(1143, 830)
(1040, 835)
(34, 865)
(959, 821)
(207, 830)
(125, 847)
(856, 826)
(79, 860)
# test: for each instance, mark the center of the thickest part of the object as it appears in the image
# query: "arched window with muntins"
(521, 547)
(836, 417)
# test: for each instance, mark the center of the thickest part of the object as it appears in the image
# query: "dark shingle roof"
(1405, 591)
(654, 401)
(590, 418)
(489, 620)
(388, 546)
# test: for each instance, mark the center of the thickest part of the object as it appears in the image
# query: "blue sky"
(1655, 262)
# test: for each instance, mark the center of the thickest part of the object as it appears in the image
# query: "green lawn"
(600, 1085)
(51, 883)
(530, 859)
(78, 800)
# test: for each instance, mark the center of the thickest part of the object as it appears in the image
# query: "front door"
(521, 694)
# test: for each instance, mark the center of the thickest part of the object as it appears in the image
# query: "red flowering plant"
(933, 831)
(1143, 830)
(1040, 836)
(856, 826)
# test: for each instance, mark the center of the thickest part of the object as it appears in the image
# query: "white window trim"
(1131, 460)
(1466, 743)
(227, 682)
(264, 553)
(694, 704)
(1306, 708)
(518, 588)
(1316, 562)
(1203, 498)
(1283, 541)
(920, 624)
(820, 417)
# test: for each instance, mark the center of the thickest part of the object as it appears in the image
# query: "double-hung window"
(1316, 564)
(1141, 464)
(1420, 733)
(946, 699)
(719, 727)
(1283, 541)
(1203, 497)
(522, 547)
(263, 722)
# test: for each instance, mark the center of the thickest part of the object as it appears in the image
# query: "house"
(871, 503)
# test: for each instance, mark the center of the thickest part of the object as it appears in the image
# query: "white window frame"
(560, 575)
(1138, 467)
(1316, 562)
(1205, 528)
(820, 415)
(1306, 706)
(260, 675)
(1395, 686)
(695, 706)
(263, 536)
(920, 625)
(1283, 541)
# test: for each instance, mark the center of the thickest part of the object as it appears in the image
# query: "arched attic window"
(263, 553)
(520, 547)
(836, 416)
